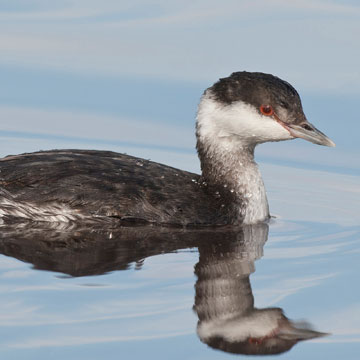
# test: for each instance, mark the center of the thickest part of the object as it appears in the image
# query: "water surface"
(130, 293)
(79, 293)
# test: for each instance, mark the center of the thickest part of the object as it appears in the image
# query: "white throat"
(227, 136)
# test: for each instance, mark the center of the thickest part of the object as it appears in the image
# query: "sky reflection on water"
(308, 269)
(127, 76)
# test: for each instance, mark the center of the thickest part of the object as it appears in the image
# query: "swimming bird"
(234, 115)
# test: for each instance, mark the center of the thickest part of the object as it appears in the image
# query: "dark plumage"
(257, 89)
(104, 185)
(235, 115)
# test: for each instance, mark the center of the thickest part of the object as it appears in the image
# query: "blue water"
(68, 295)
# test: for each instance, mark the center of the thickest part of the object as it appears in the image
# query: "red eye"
(266, 110)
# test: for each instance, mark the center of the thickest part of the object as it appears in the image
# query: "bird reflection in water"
(224, 301)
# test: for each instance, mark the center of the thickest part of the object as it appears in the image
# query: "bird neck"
(227, 159)
(230, 165)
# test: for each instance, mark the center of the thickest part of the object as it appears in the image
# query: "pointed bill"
(310, 133)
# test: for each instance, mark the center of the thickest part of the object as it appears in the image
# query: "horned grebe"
(234, 115)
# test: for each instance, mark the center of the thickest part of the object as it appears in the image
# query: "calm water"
(130, 293)
(126, 76)
(69, 293)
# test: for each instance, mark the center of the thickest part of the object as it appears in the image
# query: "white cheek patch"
(246, 122)
(238, 119)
